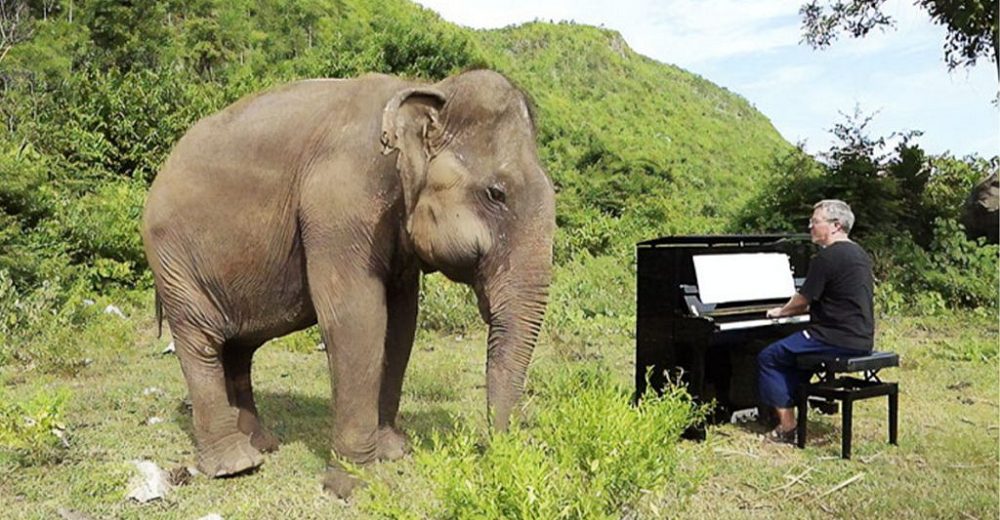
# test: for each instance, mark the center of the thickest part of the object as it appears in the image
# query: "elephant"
(980, 213)
(323, 201)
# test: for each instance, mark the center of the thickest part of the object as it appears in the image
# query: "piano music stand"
(847, 389)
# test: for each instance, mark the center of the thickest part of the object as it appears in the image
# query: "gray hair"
(837, 210)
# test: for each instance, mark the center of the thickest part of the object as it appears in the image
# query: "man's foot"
(779, 436)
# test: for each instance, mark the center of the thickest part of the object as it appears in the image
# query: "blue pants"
(777, 376)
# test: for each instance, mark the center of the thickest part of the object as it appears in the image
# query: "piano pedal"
(744, 416)
(823, 406)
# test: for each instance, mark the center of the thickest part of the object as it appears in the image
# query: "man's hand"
(774, 313)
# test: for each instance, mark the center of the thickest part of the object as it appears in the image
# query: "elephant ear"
(411, 124)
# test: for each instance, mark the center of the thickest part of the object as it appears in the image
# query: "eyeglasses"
(814, 222)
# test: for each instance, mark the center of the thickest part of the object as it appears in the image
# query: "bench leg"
(893, 414)
(803, 417)
(846, 428)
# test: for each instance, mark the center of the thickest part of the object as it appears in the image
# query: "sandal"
(778, 436)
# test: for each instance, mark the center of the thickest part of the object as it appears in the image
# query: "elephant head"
(980, 212)
(479, 209)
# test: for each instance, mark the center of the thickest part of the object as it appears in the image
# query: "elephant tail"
(159, 314)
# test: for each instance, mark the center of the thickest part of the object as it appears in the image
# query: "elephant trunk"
(513, 304)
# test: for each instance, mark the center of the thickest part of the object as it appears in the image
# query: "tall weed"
(584, 452)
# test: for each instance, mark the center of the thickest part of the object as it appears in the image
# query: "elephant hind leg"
(223, 448)
(237, 363)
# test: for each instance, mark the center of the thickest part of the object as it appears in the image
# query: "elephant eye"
(496, 194)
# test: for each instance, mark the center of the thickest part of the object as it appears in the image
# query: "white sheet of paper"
(743, 277)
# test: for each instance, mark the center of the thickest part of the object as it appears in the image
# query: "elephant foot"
(392, 444)
(340, 483)
(264, 440)
(229, 455)
(260, 437)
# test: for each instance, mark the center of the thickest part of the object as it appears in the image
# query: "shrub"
(104, 229)
(446, 306)
(962, 271)
(32, 431)
(585, 453)
(48, 328)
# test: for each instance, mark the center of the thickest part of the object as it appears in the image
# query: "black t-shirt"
(839, 288)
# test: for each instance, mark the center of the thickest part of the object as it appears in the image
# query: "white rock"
(88, 302)
(112, 309)
(213, 516)
(152, 483)
(152, 390)
(170, 349)
(154, 420)
(321, 346)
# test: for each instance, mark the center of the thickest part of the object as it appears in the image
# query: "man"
(837, 293)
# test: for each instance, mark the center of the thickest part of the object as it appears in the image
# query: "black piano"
(701, 318)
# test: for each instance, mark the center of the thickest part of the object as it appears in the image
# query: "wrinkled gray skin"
(980, 213)
(321, 201)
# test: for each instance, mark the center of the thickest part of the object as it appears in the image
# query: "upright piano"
(701, 312)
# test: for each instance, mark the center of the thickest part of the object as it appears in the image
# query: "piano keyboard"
(749, 324)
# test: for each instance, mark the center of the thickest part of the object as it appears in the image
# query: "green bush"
(961, 271)
(585, 452)
(50, 328)
(32, 432)
(103, 228)
(447, 307)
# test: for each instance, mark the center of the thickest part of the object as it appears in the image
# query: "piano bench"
(834, 386)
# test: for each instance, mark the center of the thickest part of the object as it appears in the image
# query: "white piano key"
(749, 324)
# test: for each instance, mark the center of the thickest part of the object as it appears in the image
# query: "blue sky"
(752, 48)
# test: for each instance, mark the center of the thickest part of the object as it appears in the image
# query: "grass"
(946, 465)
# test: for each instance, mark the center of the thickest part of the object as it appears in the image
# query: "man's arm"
(797, 304)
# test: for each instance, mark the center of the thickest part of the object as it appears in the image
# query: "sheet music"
(743, 277)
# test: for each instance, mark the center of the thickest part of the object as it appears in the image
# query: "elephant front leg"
(352, 316)
(400, 329)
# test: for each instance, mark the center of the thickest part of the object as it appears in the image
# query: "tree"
(15, 25)
(971, 25)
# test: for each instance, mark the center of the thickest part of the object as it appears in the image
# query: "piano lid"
(743, 277)
(702, 241)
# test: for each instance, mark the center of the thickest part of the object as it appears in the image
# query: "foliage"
(48, 327)
(32, 432)
(959, 271)
(971, 25)
(447, 307)
(586, 453)
(907, 207)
